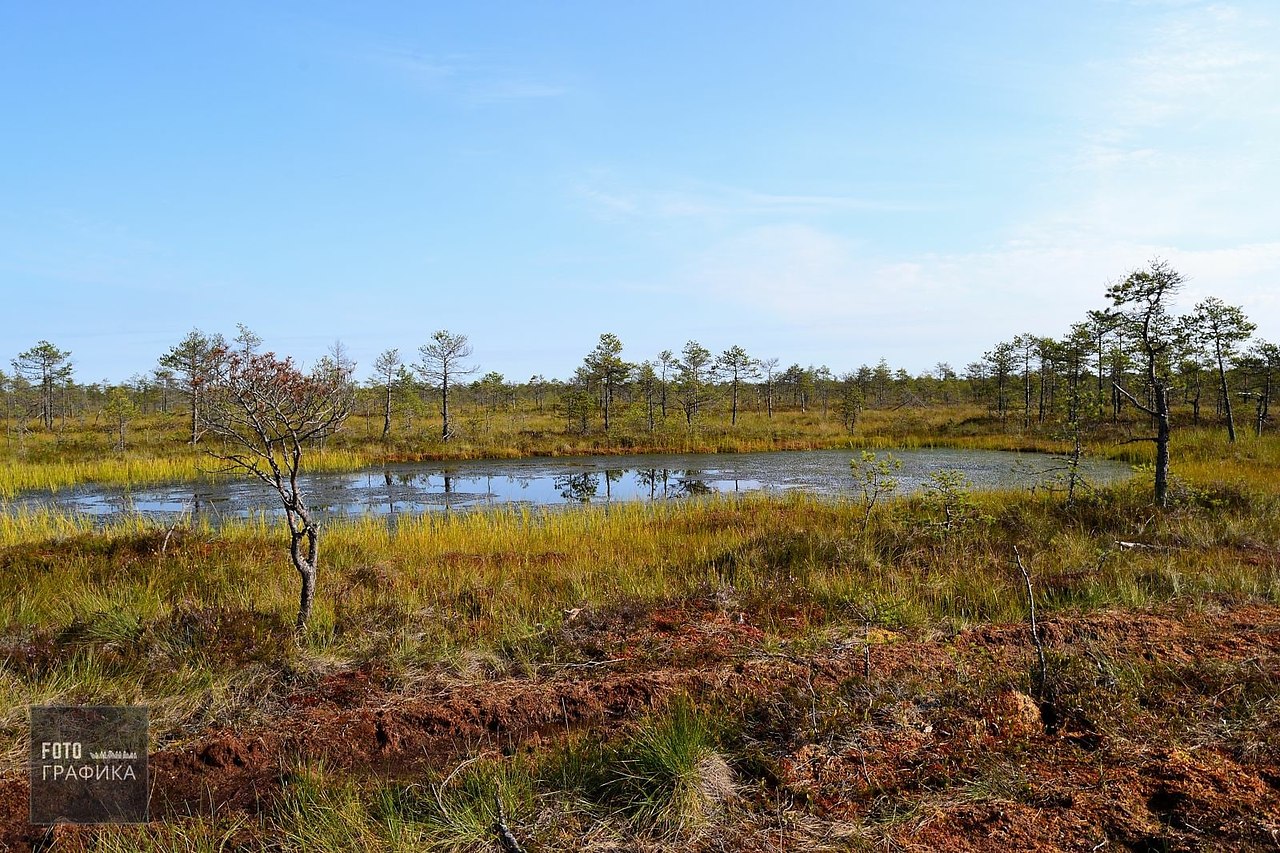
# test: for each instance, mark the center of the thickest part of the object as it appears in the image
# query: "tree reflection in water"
(578, 487)
(690, 484)
(654, 479)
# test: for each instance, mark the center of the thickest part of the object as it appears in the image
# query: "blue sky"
(827, 183)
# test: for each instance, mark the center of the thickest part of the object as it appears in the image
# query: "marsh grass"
(668, 774)
(180, 465)
(101, 614)
(189, 835)
(196, 623)
(81, 451)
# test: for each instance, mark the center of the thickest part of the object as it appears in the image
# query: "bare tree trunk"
(1162, 446)
(444, 407)
(386, 413)
(195, 416)
(1160, 417)
(307, 597)
(305, 563)
(1264, 403)
(1040, 409)
(1226, 397)
(607, 401)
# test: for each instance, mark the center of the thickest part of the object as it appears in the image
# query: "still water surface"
(435, 486)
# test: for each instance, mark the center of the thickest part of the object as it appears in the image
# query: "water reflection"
(654, 480)
(418, 488)
(691, 483)
(578, 487)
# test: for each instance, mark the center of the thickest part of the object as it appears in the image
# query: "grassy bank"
(498, 582)
(81, 451)
(196, 624)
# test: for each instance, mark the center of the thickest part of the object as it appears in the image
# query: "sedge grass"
(18, 476)
(95, 611)
(81, 452)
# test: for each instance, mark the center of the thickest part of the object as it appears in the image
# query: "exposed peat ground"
(1159, 729)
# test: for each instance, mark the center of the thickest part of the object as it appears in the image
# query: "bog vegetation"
(1114, 378)
(757, 673)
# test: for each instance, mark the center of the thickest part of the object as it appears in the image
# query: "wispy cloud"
(608, 204)
(1178, 144)
(1205, 63)
(1205, 80)
(849, 300)
(417, 69)
(466, 77)
(1174, 157)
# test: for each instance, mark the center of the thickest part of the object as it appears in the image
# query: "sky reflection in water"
(427, 487)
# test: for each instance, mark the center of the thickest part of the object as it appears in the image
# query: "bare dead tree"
(768, 367)
(268, 412)
(1035, 626)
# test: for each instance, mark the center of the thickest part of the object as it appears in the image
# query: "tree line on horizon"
(263, 412)
(1124, 356)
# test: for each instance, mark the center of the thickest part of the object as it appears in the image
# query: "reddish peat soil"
(1159, 731)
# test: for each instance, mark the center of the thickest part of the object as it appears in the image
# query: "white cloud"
(1174, 158)
(1178, 145)
(1207, 63)
(952, 306)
